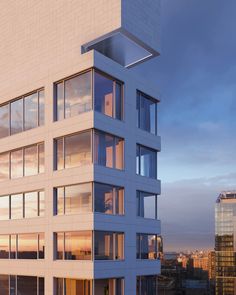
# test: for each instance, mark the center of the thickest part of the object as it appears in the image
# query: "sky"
(196, 78)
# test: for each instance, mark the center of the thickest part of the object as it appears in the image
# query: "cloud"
(186, 208)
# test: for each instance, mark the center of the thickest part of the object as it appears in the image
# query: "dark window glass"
(60, 198)
(13, 290)
(31, 160)
(103, 245)
(78, 245)
(146, 246)
(147, 285)
(31, 111)
(109, 286)
(17, 116)
(147, 113)
(108, 150)
(108, 199)
(4, 121)
(17, 163)
(146, 162)
(26, 285)
(27, 246)
(4, 208)
(41, 115)
(59, 245)
(5, 166)
(146, 205)
(4, 246)
(108, 96)
(41, 286)
(17, 206)
(4, 284)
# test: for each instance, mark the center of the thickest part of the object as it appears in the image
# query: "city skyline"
(195, 76)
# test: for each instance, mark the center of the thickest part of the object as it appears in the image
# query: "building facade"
(225, 243)
(78, 148)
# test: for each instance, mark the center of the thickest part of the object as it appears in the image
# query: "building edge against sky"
(78, 148)
(225, 243)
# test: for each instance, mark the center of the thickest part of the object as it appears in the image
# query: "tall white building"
(78, 148)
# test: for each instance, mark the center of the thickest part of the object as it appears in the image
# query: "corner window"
(149, 246)
(76, 150)
(146, 205)
(146, 112)
(108, 96)
(146, 161)
(86, 91)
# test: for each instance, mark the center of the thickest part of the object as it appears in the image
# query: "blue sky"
(196, 76)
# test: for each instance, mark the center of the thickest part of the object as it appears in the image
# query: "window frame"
(138, 169)
(140, 93)
(138, 196)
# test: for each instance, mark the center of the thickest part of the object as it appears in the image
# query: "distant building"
(225, 243)
(212, 265)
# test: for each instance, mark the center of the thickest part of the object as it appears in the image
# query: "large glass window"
(31, 111)
(146, 113)
(17, 116)
(74, 199)
(25, 285)
(16, 206)
(74, 245)
(108, 150)
(74, 150)
(146, 205)
(146, 161)
(23, 205)
(147, 285)
(73, 287)
(74, 96)
(108, 245)
(4, 121)
(27, 246)
(5, 166)
(4, 208)
(4, 246)
(108, 199)
(149, 246)
(22, 162)
(108, 96)
(109, 286)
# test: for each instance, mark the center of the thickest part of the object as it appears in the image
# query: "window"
(146, 161)
(4, 208)
(23, 205)
(108, 199)
(108, 96)
(4, 246)
(72, 286)
(22, 246)
(25, 161)
(109, 150)
(76, 95)
(146, 205)
(27, 285)
(149, 246)
(4, 121)
(108, 245)
(74, 199)
(146, 108)
(109, 286)
(22, 114)
(74, 245)
(147, 285)
(74, 150)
